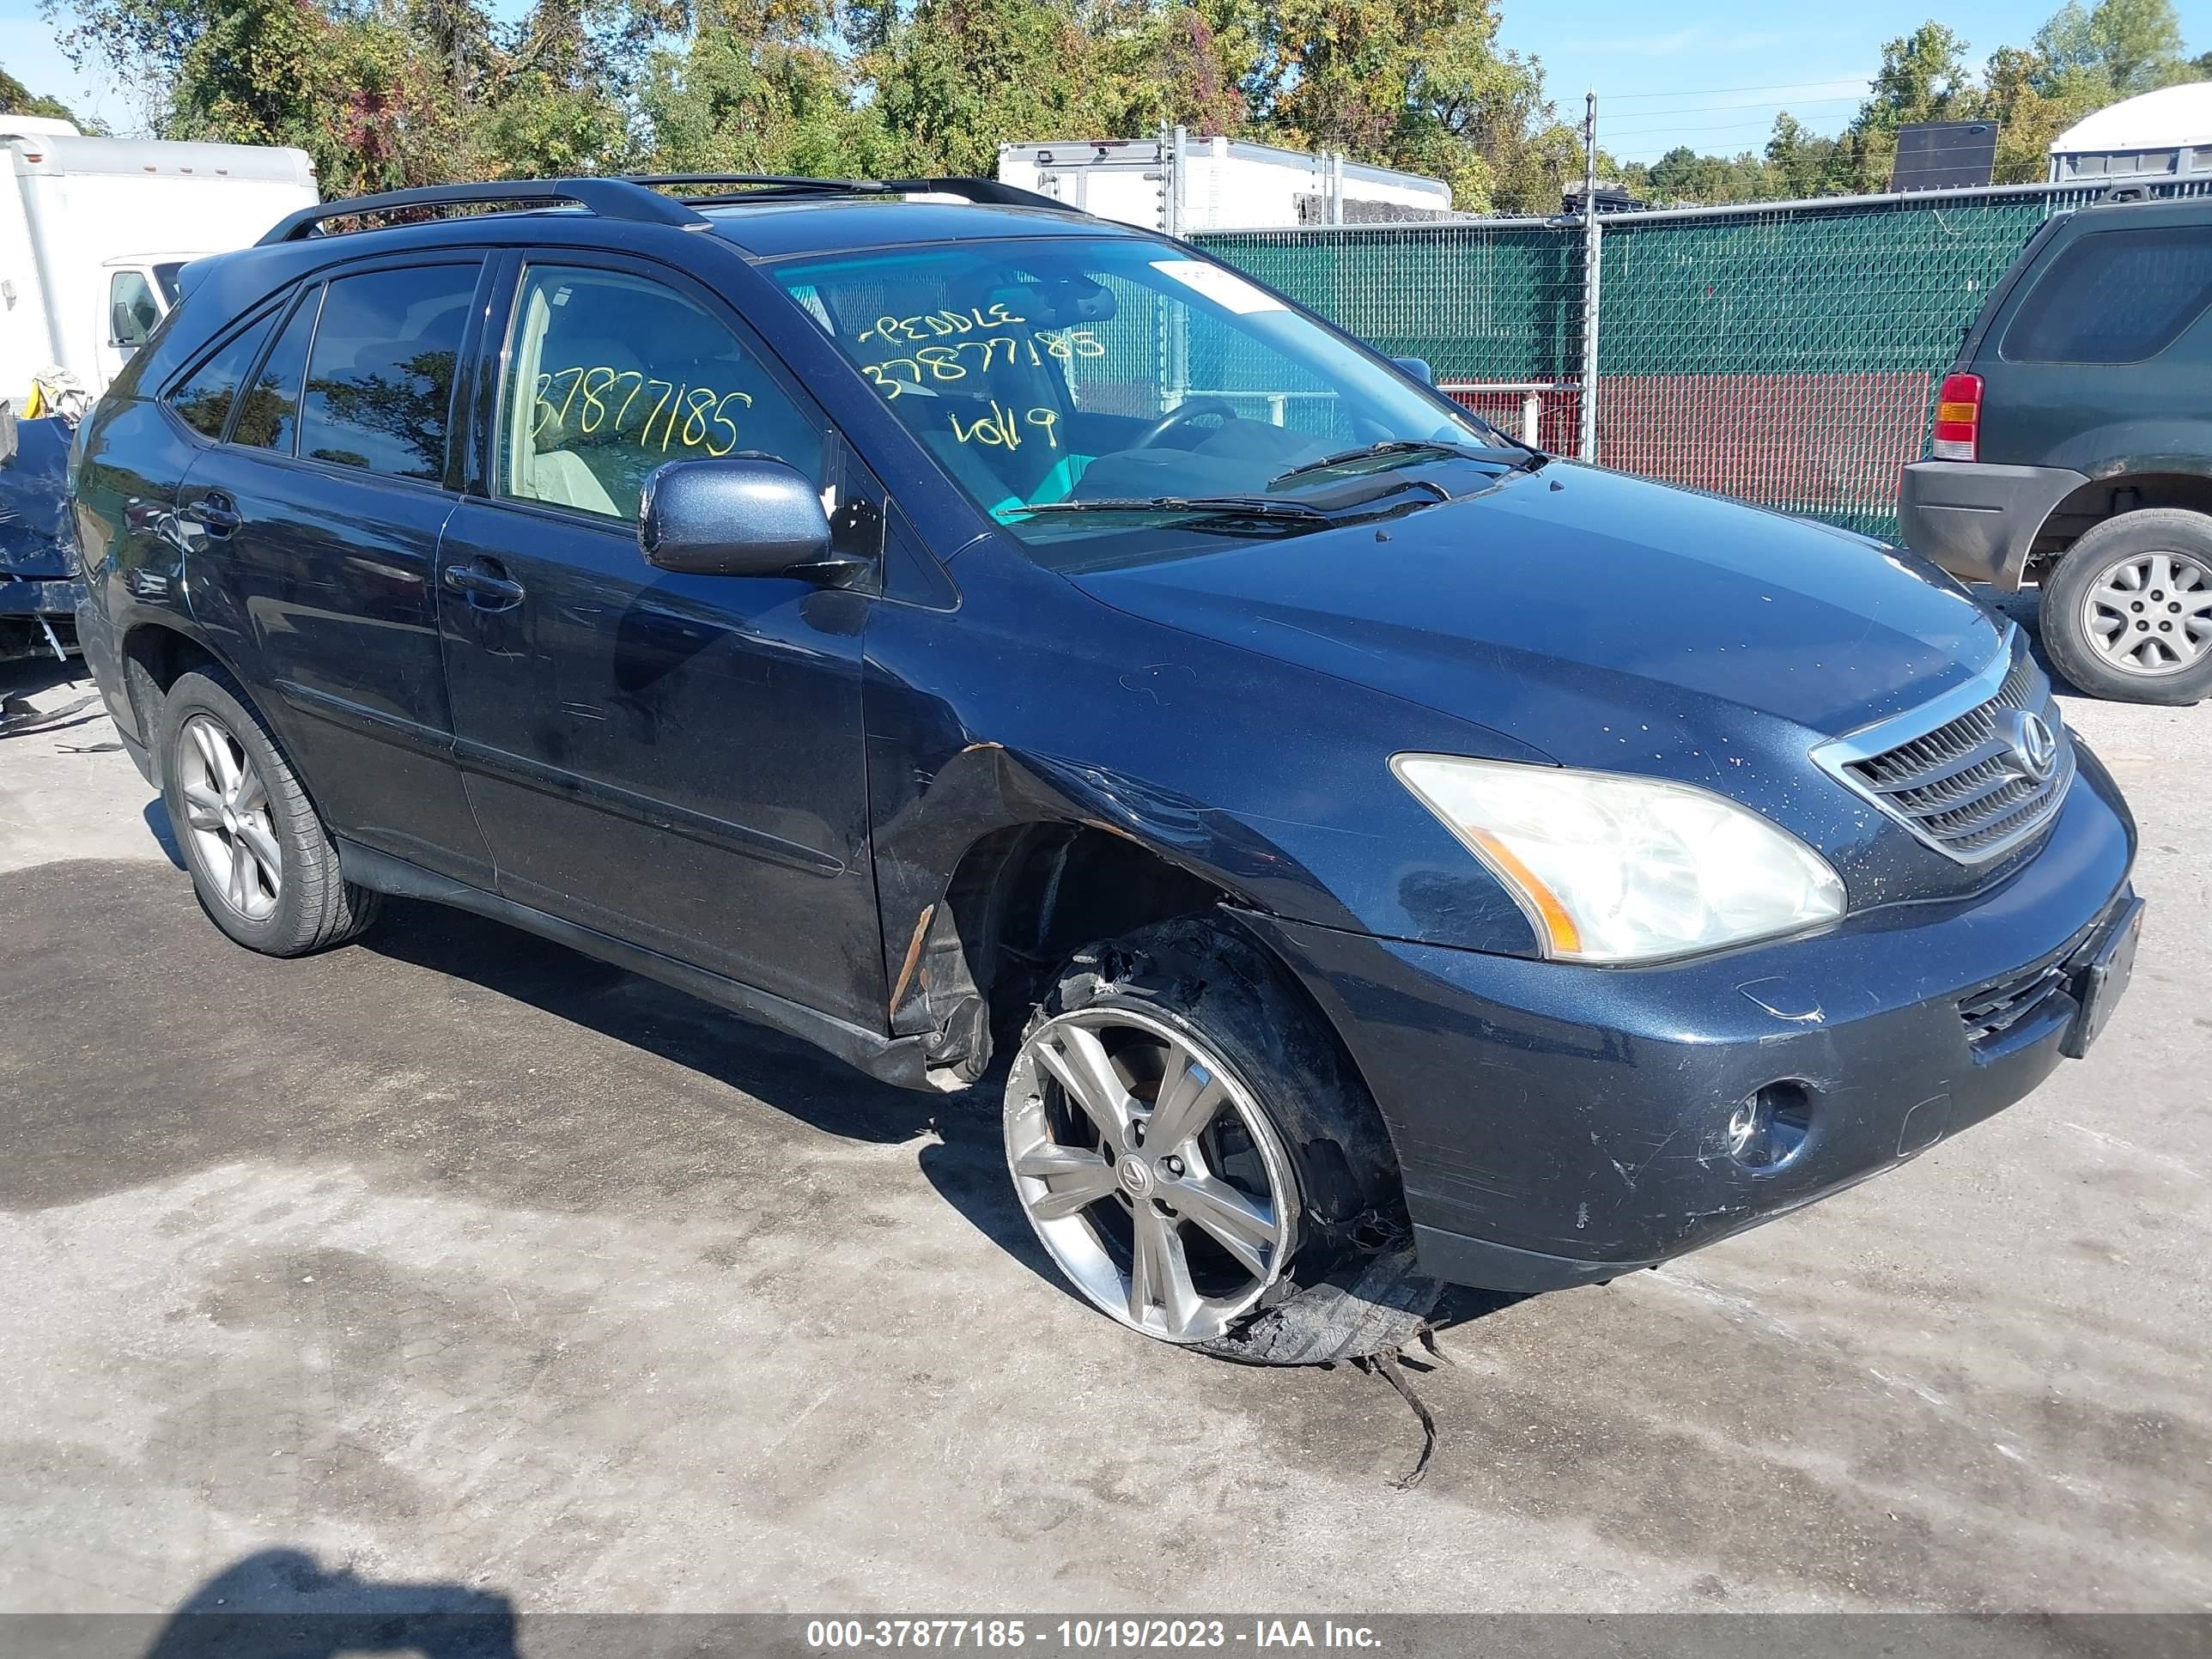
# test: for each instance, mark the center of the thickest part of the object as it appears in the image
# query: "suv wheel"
(2129, 613)
(261, 862)
(1194, 1150)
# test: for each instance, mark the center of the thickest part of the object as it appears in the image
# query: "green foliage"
(16, 98)
(383, 93)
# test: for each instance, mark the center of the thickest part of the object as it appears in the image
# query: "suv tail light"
(1958, 418)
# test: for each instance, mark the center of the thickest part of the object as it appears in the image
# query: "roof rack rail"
(640, 198)
(744, 187)
(610, 198)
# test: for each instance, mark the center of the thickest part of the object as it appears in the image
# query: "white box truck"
(1181, 184)
(94, 230)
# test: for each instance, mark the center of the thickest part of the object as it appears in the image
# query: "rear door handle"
(487, 584)
(216, 513)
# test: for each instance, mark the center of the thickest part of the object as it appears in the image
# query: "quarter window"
(610, 376)
(204, 398)
(2115, 296)
(267, 415)
(380, 384)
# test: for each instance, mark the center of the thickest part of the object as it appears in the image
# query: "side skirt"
(897, 1060)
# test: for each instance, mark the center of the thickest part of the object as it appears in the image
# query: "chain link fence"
(1786, 352)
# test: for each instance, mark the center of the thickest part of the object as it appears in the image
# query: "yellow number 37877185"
(598, 397)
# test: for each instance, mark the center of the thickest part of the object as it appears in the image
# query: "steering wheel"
(1175, 418)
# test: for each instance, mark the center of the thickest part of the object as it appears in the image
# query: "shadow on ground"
(280, 1604)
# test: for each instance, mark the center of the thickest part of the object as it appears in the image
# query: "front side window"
(204, 398)
(611, 375)
(131, 309)
(2115, 296)
(380, 373)
(1067, 369)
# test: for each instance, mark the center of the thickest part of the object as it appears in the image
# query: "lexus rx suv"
(990, 642)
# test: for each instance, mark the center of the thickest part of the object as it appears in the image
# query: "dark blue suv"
(952, 629)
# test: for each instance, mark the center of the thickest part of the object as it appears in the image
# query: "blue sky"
(1714, 75)
(1710, 75)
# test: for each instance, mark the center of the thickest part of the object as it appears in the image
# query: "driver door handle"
(486, 583)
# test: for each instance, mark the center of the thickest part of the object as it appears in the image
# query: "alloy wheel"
(2150, 614)
(1149, 1172)
(227, 814)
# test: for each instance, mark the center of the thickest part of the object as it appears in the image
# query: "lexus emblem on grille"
(2032, 746)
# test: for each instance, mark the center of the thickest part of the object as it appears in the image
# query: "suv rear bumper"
(1559, 1124)
(1977, 520)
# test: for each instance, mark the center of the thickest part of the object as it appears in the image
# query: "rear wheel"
(2128, 614)
(263, 866)
(1198, 1157)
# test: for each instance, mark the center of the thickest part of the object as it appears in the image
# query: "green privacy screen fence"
(1787, 353)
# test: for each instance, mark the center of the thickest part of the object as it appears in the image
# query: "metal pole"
(1586, 441)
(1175, 180)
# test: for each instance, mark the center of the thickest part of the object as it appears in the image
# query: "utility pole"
(1586, 437)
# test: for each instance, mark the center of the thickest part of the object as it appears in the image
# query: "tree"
(17, 99)
(1683, 175)
(2120, 47)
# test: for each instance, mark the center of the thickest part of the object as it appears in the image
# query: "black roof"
(775, 230)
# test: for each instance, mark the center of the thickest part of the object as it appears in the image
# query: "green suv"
(2073, 447)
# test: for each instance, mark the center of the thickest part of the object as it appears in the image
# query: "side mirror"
(746, 515)
(1417, 367)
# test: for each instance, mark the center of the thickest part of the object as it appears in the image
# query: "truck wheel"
(2129, 613)
(1197, 1154)
(261, 862)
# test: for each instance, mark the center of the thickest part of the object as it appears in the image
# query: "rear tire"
(2128, 614)
(262, 864)
(1196, 1153)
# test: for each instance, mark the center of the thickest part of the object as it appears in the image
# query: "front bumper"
(1558, 1124)
(1979, 521)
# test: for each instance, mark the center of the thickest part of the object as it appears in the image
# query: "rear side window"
(380, 372)
(2115, 296)
(267, 415)
(204, 398)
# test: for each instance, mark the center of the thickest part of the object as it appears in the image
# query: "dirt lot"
(453, 1258)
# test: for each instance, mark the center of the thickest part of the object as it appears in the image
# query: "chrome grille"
(1958, 784)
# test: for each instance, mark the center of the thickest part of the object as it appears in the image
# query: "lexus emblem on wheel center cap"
(1136, 1176)
(2032, 746)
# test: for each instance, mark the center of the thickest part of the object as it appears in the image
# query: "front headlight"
(1612, 868)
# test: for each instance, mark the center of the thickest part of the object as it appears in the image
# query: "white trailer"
(1180, 184)
(93, 232)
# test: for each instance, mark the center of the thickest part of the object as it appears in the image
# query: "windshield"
(1073, 370)
(165, 277)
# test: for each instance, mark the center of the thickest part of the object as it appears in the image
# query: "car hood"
(1599, 617)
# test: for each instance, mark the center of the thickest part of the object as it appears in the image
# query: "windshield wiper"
(1405, 447)
(1211, 506)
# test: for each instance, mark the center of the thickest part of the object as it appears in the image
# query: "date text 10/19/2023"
(1088, 1635)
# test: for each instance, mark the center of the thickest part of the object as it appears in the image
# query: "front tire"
(1198, 1156)
(263, 866)
(2128, 614)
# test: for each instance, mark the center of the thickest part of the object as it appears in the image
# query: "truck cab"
(139, 290)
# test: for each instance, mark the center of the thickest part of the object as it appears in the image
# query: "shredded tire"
(1354, 1290)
